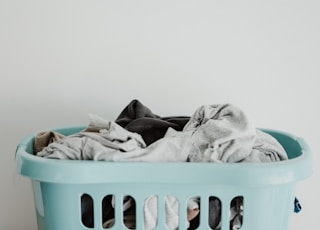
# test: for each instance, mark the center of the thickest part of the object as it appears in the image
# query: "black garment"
(138, 118)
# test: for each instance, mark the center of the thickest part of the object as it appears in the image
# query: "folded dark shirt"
(138, 118)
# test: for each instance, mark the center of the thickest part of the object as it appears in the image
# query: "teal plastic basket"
(267, 189)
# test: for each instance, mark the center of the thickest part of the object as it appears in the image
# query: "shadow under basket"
(64, 188)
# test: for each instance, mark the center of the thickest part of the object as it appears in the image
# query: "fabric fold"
(221, 133)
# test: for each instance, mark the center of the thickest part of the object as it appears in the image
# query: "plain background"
(63, 59)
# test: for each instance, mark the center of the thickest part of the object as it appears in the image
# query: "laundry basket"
(267, 189)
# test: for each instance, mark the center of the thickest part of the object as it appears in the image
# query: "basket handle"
(304, 146)
(22, 146)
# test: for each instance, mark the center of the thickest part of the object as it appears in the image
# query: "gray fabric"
(102, 140)
(108, 141)
(220, 133)
(223, 133)
(214, 213)
(217, 133)
(266, 149)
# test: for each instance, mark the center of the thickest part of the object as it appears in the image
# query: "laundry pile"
(219, 133)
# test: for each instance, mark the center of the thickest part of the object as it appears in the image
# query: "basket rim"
(235, 174)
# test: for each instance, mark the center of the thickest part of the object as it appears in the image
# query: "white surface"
(63, 59)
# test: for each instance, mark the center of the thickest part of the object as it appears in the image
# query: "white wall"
(63, 59)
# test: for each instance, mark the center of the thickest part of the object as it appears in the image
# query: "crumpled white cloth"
(223, 133)
(215, 133)
(102, 140)
(107, 141)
